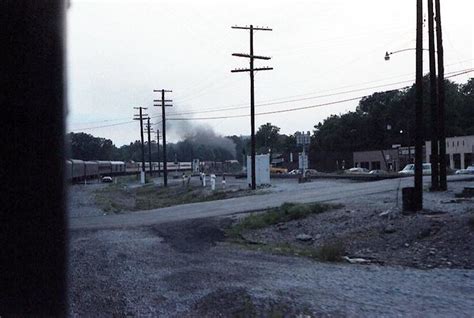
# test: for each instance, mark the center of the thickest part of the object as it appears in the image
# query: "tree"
(267, 137)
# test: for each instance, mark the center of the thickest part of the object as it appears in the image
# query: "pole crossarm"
(237, 70)
(159, 101)
(258, 57)
(251, 28)
(252, 70)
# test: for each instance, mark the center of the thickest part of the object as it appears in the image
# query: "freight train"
(77, 170)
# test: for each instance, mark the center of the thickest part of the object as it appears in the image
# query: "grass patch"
(116, 198)
(331, 252)
(328, 252)
(286, 212)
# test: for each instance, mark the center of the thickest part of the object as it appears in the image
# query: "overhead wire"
(450, 75)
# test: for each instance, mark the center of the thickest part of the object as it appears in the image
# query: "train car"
(132, 167)
(68, 169)
(118, 167)
(105, 167)
(77, 169)
(91, 169)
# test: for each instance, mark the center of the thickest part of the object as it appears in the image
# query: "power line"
(211, 110)
(452, 74)
(300, 108)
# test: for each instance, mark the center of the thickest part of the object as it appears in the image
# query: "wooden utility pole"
(443, 185)
(149, 129)
(140, 118)
(418, 191)
(252, 57)
(433, 101)
(163, 105)
(158, 150)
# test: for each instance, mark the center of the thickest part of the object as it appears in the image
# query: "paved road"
(320, 190)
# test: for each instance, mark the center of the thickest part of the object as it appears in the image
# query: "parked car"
(295, 171)
(378, 172)
(409, 169)
(107, 179)
(357, 170)
(278, 170)
(310, 172)
(468, 170)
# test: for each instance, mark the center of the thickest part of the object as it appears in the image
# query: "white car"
(107, 179)
(409, 169)
(468, 170)
(357, 170)
(295, 171)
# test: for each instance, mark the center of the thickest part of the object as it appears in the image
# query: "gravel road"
(341, 191)
(174, 262)
(183, 269)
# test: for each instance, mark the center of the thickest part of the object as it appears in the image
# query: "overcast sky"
(119, 51)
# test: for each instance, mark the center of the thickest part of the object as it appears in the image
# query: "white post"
(142, 177)
(213, 182)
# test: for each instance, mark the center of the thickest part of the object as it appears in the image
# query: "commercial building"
(389, 160)
(459, 152)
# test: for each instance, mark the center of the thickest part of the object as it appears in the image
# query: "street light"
(387, 54)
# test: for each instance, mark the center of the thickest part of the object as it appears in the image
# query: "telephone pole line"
(158, 150)
(443, 185)
(149, 129)
(163, 105)
(433, 101)
(140, 118)
(418, 191)
(252, 57)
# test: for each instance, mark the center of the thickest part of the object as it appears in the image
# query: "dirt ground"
(431, 239)
(190, 268)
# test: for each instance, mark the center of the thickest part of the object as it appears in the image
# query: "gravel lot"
(184, 268)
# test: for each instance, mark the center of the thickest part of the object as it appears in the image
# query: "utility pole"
(158, 150)
(443, 185)
(252, 57)
(140, 118)
(149, 129)
(418, 191)
(433, 101)
(163, 132)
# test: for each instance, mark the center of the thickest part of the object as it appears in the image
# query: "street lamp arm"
(387, 54)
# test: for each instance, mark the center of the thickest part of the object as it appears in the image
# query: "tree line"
(379, 121)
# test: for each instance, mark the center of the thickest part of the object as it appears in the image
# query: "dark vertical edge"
(33, 224)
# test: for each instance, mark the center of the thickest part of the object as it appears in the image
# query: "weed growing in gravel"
(116, 198)
(286, 212)
(331, 252)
